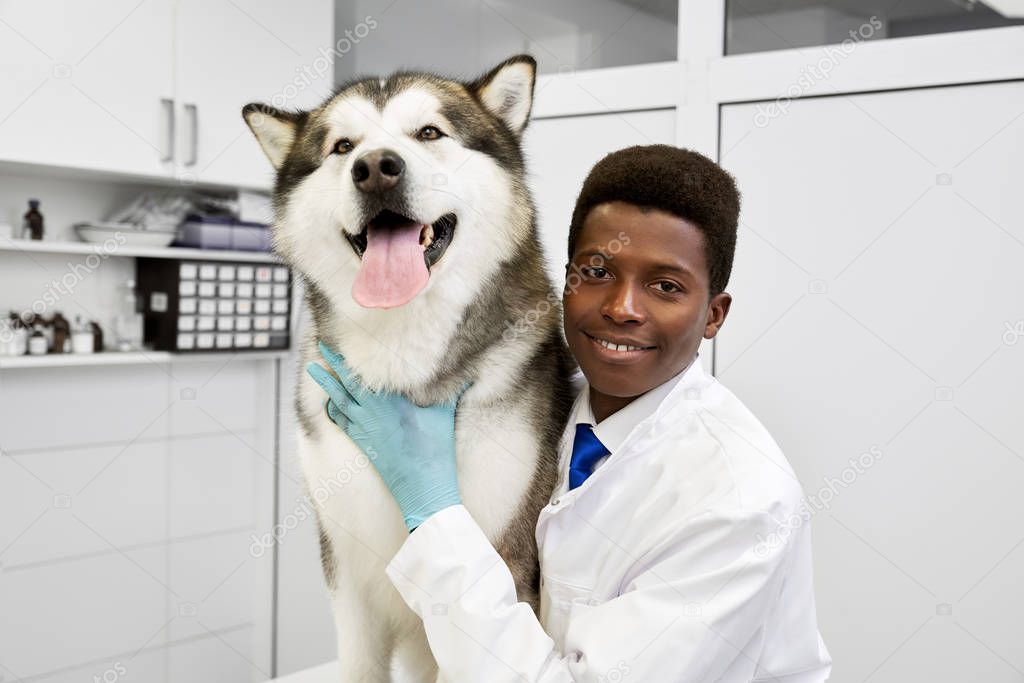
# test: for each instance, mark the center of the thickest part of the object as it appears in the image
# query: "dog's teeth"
(427, 237)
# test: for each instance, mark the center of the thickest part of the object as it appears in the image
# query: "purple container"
(204, 235)
(250, 237)
(224, 235)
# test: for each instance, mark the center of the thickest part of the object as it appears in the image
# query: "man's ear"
(507, 91)
(274, 129)
(718, 310)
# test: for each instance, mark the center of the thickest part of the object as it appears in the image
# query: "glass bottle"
(128, 324)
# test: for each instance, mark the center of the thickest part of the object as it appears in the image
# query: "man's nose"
(623, 304)
(378, 171)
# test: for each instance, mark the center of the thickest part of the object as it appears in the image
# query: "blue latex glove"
(412, 447)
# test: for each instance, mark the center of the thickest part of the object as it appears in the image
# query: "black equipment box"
(193, 305)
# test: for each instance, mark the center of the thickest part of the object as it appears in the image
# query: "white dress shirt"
(683, 558)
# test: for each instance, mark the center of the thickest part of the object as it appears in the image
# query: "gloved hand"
(412, 447)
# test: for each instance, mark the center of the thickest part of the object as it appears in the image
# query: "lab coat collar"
(614, 429)
(670, 396)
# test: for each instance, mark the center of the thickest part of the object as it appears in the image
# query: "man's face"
(641, 280)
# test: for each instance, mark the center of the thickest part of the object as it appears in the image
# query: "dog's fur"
(488, 315)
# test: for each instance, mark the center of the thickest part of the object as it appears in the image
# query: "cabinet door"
(81, 84)
(875, 331)
(232, 53)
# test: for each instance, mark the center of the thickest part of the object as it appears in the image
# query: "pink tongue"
(393, 270)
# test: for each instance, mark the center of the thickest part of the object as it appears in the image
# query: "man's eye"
(429, 133)
(594, 271)
(342, 146)
(668, 287)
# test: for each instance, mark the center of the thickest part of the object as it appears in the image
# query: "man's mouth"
(620, 345)
(396, 253)
(435, 237)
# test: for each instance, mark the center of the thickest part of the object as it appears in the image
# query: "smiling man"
(635, 318)
(669, 550)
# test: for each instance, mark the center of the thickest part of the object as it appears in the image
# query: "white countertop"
(325, 673)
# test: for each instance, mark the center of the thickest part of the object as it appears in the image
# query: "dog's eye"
(342, 146)
(429, 133)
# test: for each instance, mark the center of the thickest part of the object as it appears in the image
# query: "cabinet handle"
(168, 105)
(193, 116)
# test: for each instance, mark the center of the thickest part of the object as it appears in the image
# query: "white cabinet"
(87, 84)
(127, 531)
(230, 54)
(877, 289)
(155, 89)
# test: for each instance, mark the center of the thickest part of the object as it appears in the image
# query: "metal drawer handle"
(193, 116)
(168, 105)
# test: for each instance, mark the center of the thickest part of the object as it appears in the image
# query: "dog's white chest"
(496, 454)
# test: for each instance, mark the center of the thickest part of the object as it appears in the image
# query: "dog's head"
(395, 183)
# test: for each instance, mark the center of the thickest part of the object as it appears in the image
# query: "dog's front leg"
(414, 662)
(365, 639)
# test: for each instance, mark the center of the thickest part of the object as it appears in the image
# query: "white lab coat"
(684, 557)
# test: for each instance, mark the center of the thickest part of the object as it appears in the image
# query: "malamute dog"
(402, 203)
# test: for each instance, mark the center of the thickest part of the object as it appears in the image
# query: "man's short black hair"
(675, 180)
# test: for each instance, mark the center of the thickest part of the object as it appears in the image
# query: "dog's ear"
(507, 90)
(274, 129)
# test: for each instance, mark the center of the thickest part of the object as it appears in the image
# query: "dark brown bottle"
(61, 333)
(33, 226)
(97, 336)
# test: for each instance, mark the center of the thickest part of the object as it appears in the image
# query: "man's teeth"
(427, 236)
(617, 347)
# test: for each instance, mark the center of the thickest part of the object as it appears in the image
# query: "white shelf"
(63, 360)
(43, 247)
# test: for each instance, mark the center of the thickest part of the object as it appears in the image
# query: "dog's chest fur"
(507, 428)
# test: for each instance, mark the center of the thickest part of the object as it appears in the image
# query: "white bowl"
(125, 234)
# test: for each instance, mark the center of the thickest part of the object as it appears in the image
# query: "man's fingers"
(339, 418)
(329, 383)
(340, 367)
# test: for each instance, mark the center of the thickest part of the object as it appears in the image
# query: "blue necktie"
(587, 449)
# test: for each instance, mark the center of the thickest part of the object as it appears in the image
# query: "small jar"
(81, 341)
(37, 344)
(81, 336)
(19, 343)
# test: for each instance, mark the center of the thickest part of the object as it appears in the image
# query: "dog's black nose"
(378, 171)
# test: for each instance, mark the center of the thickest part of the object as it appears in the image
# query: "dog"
(402, 204)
